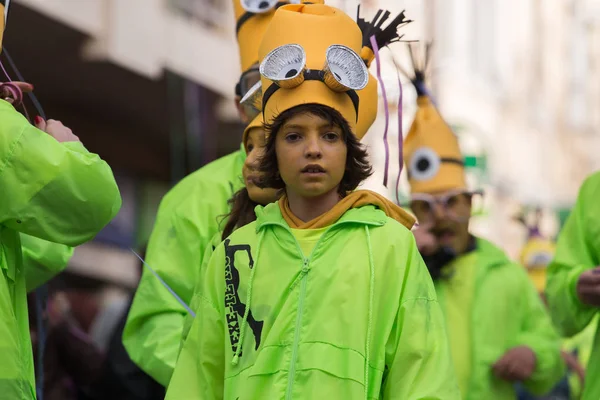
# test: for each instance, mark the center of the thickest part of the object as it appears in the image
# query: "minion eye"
(285, 65)
(344, 69)
(425, 164)
(258, 6)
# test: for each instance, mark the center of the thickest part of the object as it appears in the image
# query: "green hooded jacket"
(578, 249)
(358, 318)
(188, 218)
(57, 192)
(506, 312)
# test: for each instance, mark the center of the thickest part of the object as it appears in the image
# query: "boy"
(313, 299)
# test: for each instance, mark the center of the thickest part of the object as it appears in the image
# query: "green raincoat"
(359, 313)
(188, 218)
(53, 191)
(506, 312)
(578, 249)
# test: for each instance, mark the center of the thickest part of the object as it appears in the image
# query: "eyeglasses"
(248, 79)
(424, 205)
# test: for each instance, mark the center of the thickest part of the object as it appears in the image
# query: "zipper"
(303, 283)
(292, 373)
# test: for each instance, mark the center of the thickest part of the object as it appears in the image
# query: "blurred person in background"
(120, 377)
(535, 257)
(189, 216)
(52, 189)
(499, 330)
(573, 282)
(72, 361)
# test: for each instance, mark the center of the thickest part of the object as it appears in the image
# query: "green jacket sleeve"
(575, 253)
(200, 370)
(57, 191)
(418, 360)
(539, 335)
(194, 303)
(42, 260)
(152, 334)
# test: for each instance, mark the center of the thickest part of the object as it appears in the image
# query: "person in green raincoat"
(188, 218)
(325, 294)
(194, 212)
(54, 190)
(573, 277)
(499, 330)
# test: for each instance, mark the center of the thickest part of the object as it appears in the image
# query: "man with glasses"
(189, 216)
(498, 328)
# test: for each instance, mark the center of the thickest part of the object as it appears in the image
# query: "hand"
(517, 364)
(56, 129)
(6, 94)
(588, 287)
(427, 243)
(574, 365)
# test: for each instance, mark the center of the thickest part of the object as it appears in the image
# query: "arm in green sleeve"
(418, 354)
(200, 370)
(539, 335)
(42, 260)
(57, 191)
(194, 303)
(152, 334)
(574, 255)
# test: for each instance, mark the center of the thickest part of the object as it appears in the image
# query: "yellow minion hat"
(537, 252)
(316, 37)
(257, 122)
(535, 256)
(251, 26)
(431, 152)
(4, 11)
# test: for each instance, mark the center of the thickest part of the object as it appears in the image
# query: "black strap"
(452, 161)
(310, 75)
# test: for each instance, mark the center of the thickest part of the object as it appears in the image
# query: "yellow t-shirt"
(459, 292)
(308, 238)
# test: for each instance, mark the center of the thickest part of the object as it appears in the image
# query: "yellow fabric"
(430, 131)
(459, 293)
(367, 107)
(257, 122)
(308, 238)
(2, 25)
(315, 27)
(250, 34)
(367, 55)
(536, 250)
(355, 199)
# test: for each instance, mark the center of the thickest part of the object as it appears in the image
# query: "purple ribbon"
(387, 111)
(400, 140)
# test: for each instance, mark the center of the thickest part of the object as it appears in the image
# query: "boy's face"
(311, 155)
(255, 149)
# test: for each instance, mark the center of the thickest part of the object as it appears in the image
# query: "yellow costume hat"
(252, 19)
(4, 11)
(310, 54)
(367, 97)
(257, 122)
(431, 152)
(537, 253)
(535, 256)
